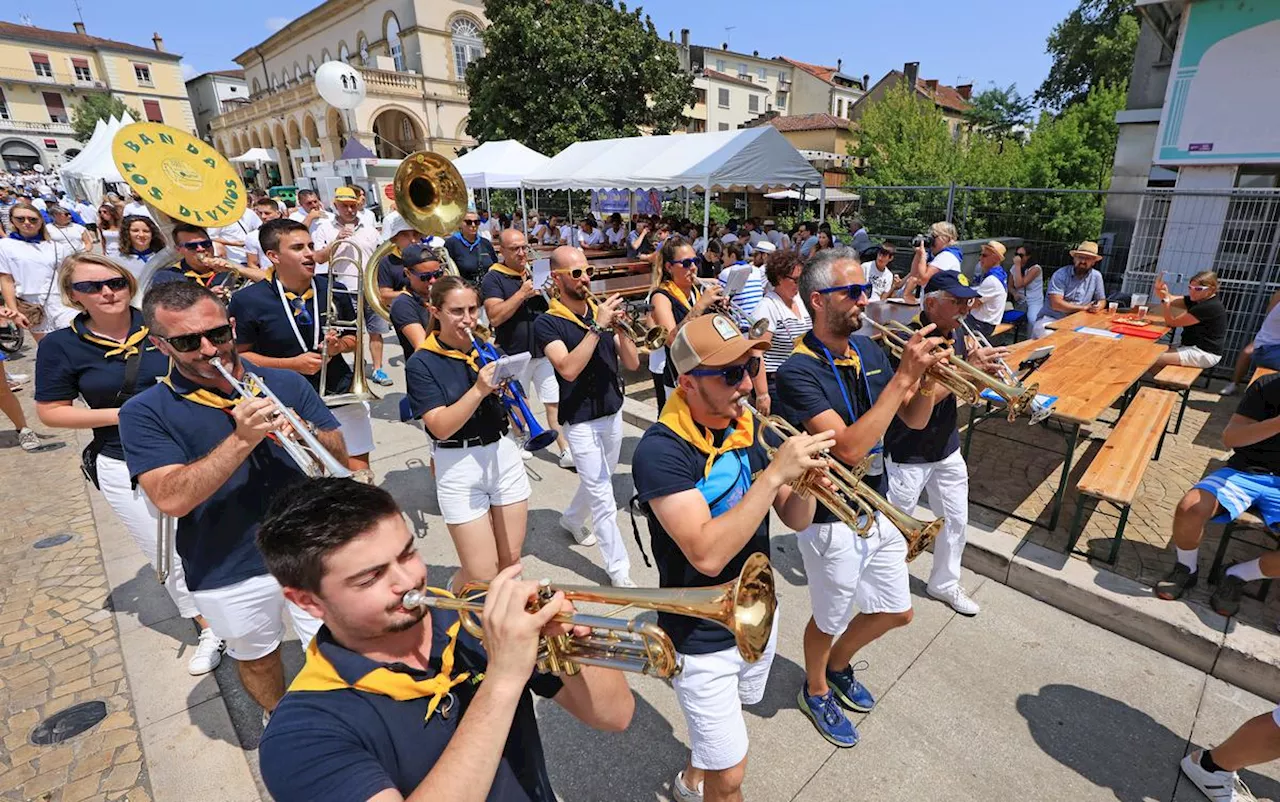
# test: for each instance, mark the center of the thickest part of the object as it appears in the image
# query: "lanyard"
(293, 323)
(879, 446)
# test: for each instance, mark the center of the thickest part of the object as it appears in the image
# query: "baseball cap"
(414, 255)
(345, 194)
(953, 282)
(711, 341)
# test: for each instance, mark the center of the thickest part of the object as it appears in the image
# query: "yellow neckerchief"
(507, 271)
(293, 296)
(203, 279)
(671, 288)
(318, 674)
(558, 309)
(849, 359)
(202, 396)
(433, 344)
(677, 417)
(127, 347)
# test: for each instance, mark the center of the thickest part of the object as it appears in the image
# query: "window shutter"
(152, 109)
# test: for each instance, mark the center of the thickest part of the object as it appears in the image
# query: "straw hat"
(1087, 250)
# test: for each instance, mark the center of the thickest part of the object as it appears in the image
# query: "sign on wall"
(1218, 107)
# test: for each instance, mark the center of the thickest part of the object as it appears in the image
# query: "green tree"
(557, 72)
(999, 112)
(1092, 46)
(94, 107)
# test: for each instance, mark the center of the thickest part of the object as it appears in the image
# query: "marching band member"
(578, 337)
(513, 305)
(197, 263)
(930, 456)
(346, 226)
(472, 253)
(480, 479)
(29, 273)
(207, 457)
(707, 487)
(390, 704)
(673, 302)
(105, 358)
(140, 241)
(838, 381)
(410, 312)
(283, 324)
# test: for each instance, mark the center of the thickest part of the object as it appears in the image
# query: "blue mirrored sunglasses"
(854, 291)
(733, 374)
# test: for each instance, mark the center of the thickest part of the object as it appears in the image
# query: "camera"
(922, 239)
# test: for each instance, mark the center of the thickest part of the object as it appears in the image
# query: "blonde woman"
(1202, 318)
(28, 273)
(103, 358)
(934, 252)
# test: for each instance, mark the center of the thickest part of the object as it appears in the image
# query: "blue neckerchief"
(1000, 275)
(956, 252)
(32, 240)
(300, 311)
(848, 403)
(471, 246)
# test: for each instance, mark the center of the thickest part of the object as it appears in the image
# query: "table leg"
(1072, 434)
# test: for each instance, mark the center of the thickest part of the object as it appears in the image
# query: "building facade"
(45, 73)
(823, 90)
(824, 139)
(952, 101)
(213, 94)
(413, 55)
(733, 88)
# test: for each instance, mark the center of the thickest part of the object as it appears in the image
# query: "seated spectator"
(1026, 283)
(1268, 335)
(993, 290)
(1077, 288)
(884, 283)
(712, 260)
(762, 252)
(1202, 318)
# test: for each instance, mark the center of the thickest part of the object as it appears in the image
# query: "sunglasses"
(733, 374)
(25, 219)
(688, 264)
(116, 284)
(198, 245)
(1201, 287)
(186, 343)
(854, 291)
(577, 272)
(471, 222)
(427, 275)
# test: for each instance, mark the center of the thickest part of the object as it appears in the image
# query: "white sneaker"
(566, 459)
(18, 378)
(957, 599)
(28, 440)
(525, 454)
(208, 653)
(684, 793)
(581, 532)
(621, 581)
(1230, 389)
(1220, 786)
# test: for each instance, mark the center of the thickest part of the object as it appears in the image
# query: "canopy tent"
(256, 156)
(498, 165)
(810, 195)
(83, 176)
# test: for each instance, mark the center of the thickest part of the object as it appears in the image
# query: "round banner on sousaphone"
(179, 175)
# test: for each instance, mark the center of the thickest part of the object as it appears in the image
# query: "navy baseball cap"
(953, 282)
(415, 254)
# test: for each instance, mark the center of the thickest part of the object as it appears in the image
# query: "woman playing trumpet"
(675, 299)
(480, 479)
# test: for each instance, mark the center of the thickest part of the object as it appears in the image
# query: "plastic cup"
(1113, 307)
(1142, 312)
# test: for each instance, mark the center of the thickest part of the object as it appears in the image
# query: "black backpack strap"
(632, 505)
(131, 367)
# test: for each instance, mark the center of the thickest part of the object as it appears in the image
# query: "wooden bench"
(1249, 522)
(1180, 379)
(1117, 470)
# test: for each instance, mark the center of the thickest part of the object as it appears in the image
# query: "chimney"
(158, 41)
(755, 53)
(684, 37)
(965, 90)
(931, 84)
(724, 46)
(866, 82)
(911, 73)
(839, 64)
(79, 26)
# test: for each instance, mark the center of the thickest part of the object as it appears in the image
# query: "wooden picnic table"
(1104, 320)
(1088, 373)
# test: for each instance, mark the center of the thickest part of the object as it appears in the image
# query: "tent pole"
(524, 211)
(822, 203)
(706, 210)
(568, 215)
(687, 193)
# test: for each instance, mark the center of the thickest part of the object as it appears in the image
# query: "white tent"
(84, 175)
(498, 165)
(256, 156)
(811, 195)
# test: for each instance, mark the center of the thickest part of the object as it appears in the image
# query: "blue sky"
(976, 41)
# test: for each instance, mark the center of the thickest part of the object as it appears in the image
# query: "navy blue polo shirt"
(472, 258)
(391, 273)
(215, 540)
(433, 380)
(665, 464)
(344, 745)
(597, 392)
(178, 272)
(515, 334)
(678, 311)
(69, 367)
(405, 309)
(262, 324)
(807, 387)
(941, 436)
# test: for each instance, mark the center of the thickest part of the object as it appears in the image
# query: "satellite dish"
(340, 85)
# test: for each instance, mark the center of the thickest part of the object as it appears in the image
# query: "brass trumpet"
(734, 312)
(852, 501)
(745, 606)
(646, 338)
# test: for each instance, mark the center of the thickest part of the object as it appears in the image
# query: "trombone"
(166, 529)
(745, 606)
(301, 445)
(360, 390)
(847, 496)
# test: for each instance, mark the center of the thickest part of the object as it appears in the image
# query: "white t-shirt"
(593, 240)
(111, 241)
(237, 233)
(946, 260)
(364, 238)
(568, 234)
(88, 212)
(138, 208)
(33, 266)
(72, 236)
(881, 280)
(253, 246)
(39, 203)
(367, 219)
(615, 238)
(991, 301)
(301, 215)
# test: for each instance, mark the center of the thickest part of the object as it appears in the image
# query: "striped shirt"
(752, 292)
(785, 325)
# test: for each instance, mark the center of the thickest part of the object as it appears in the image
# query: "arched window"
(393, 42)
(324, 56)
(297, 73)
(274, 83)
(257, 87)
(467, 46)
(344, 55)
(363, 45)
(311, 66)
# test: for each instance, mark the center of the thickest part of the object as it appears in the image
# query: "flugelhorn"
(512, 396)
(745, 606)
(846, 495)
(754, 330)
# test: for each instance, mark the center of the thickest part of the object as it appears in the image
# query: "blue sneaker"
(381, 377)
(827, 716)
(850, 693)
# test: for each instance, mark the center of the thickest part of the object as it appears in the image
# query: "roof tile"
(10, 30)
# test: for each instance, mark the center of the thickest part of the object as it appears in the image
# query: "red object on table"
(1137, 331)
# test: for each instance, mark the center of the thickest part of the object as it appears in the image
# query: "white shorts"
(1192, 356)
(249, 616)
(849, 574)
(356, 427)
(471, 480)
(539, 378)
(711, 690)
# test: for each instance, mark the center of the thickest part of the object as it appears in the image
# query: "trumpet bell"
(541, 440)
(430, 193)
(654, 338)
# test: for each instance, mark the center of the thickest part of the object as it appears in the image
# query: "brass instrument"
(166, 529)
(745, 606)
(300, 444)
(360, 389)
(735, 313)
(848, 497)
(646, 338)
(532, 436)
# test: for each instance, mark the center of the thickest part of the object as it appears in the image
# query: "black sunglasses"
(854, 291)
(687, 263)
(427, 275)
(733, 374)
(25, 219)
(198, 244)
(94, 287)
(186, 343)
(471, 222)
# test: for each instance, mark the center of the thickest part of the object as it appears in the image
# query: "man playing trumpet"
(707, 488)
(840, 382)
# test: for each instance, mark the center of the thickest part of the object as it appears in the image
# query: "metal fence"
(1140, 233)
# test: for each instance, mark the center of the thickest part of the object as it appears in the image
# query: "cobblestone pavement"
(58, 641)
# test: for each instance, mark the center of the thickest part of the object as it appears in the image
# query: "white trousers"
(141, 519)
(948, 484)
(595, 446)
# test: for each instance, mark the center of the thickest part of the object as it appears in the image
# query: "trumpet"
(301, 445)
(166, 528)
(745, 606)
(646, 338)
(847, 496)
(736, 313)
(535, 437)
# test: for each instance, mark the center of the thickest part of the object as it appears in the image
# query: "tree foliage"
(97, 106)
(1093, 46)
(999, 112)
(557, 72)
